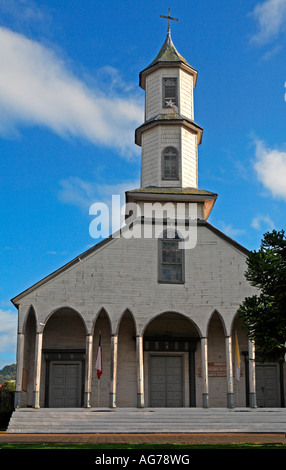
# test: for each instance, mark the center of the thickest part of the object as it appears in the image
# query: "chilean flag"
(98, 364)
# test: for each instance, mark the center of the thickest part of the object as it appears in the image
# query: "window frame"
(164, 239)
(163, 164)
(164, 99)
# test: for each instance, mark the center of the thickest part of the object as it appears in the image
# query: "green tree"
(9, 386)
(264, 314)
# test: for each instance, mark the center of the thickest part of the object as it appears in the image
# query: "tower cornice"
(151, 68)
(167, 120)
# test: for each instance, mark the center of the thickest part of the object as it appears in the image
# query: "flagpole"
(98, 388)
(98, 395)
(237, 365)
(236, 393)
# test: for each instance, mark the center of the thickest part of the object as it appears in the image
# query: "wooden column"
(251, 369)
(140, 371)
(204, 353)
(88, 370)
(19, 372)
(37, 371)
(113, 371)
(229, 372)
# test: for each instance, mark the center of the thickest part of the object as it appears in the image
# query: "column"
(205, 377)
(229, 372)
(251, 369)
(113, 371)
(140, 371)
(37, 371)
(19, 373)
(88, 370)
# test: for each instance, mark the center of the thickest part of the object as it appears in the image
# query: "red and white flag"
(98, 363)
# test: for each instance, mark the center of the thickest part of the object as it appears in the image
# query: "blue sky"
(70, 102)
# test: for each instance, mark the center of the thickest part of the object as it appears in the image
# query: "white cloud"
(271, 53)
(262, 220)
(270, 167)
(38, 89)
(231, 231)
(270, 16)
(24, 11)
(82, 194)
(8, 331)
(106, 212)
(77, 192)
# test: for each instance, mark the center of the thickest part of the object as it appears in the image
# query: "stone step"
(134, 420)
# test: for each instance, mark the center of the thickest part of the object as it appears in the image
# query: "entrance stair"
(148, 420)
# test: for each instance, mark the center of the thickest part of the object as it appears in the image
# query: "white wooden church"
(166, 314)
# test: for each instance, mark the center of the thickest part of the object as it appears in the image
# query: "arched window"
(170, 164)
(171, 259)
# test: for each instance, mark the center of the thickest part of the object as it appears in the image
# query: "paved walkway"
(182, 438)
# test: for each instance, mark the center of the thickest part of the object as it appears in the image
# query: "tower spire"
(169, 17)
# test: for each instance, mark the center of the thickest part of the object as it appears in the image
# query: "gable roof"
(78, 259)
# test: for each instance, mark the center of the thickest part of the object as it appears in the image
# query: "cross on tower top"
(169, 18)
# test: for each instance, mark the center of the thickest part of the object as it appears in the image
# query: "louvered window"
(169, 92)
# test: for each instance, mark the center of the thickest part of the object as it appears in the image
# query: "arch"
(216, 312)
(236, 323)
(126, 311)
(102, 329)
(170, 343)
(64, 328)
(30, 331)
(30, 312)
(101, 311)
(127, 376)
(64, 307)
(199, 334)
(217, 360)
(63, 359)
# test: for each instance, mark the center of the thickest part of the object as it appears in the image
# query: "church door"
(166, 381)
(267, 386)
(65, 384)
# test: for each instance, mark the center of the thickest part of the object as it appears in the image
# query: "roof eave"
(158, 195)
(159, 64)
(158, 122)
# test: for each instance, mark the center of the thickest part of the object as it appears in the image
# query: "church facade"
(161, 295)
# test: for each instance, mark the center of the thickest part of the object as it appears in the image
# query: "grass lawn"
(141, 446)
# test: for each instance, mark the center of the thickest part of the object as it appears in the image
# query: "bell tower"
(169, 137)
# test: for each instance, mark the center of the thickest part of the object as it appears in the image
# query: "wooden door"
(166, 381)
(65, 389)
(267, 385)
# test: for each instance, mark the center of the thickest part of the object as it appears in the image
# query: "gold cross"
(169, 18)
